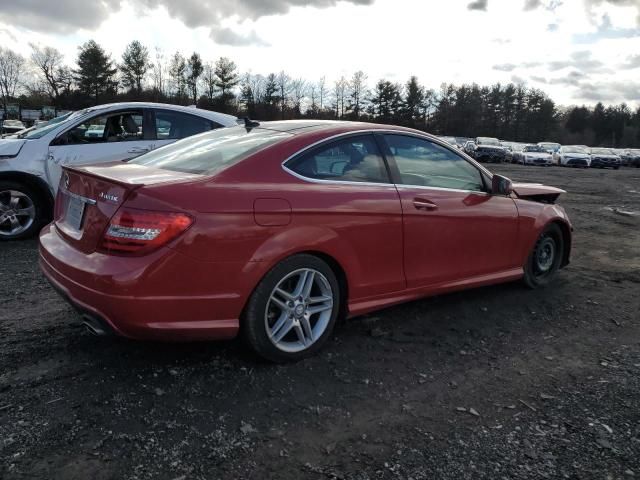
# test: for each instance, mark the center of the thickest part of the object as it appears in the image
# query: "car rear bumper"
(577, 162)
(596, 162)
(162, 296)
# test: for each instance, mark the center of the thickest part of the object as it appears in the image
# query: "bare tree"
(299, 92)
(339, 92)
(322, 91)
(177, 73)
(50, 66)
(313, 92)
(357, 87)
(209, 80)
(11, 69)
(158, 72)
(284, 90)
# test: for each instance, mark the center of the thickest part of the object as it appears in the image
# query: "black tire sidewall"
(38, 203)
(530, 279)
(252, 323)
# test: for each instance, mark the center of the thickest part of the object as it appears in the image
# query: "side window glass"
(112, 127)
(175, 125)
(354, 159)
(424, 163)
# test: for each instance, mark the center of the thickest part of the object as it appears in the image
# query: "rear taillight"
(137, 232)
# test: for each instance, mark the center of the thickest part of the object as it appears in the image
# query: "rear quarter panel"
(335, 220)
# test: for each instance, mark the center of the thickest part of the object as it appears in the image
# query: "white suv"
(31, 163)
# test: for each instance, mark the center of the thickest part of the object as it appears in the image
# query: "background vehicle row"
(31, 162)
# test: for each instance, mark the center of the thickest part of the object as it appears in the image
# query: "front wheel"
(21, 211)
(293, 310)
(545, 259)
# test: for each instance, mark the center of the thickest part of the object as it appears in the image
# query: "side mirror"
(501, 185)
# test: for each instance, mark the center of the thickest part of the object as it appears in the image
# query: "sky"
(578, 51)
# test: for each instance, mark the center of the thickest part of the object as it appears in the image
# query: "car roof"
(223, 118)
(330, 127)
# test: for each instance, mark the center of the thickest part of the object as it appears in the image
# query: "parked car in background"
(508, 148)
(572, 156)
(536, 155)
(627, 156)
(604, 158)
(10, 127)
(516, 152)
(550, 147)
(450, 140)
(487, 149)
(31, 163)
(462, 141)
(269, 231)
(634, 157)
(468, 147)
(94, 131)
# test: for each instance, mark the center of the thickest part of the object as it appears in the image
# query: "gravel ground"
(500, 382)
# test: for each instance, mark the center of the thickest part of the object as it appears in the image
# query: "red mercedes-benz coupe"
(279, 228)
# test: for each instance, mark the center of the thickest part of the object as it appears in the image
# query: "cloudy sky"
(578, 51)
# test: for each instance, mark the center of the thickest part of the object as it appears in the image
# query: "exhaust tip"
(94, 326)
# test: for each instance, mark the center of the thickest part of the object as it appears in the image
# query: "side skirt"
(366, 305)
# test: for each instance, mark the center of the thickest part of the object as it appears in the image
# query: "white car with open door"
(31, 163)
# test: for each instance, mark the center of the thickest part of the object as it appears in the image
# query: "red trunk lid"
(88, 197)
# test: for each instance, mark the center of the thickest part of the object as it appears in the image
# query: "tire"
(539, 270)
(22, 211)
(269, 311)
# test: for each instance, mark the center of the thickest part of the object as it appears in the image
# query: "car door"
(453, 228)
(171, 125)
(348, 189)
(104, 137)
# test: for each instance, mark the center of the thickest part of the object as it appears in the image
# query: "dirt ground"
(500, 382)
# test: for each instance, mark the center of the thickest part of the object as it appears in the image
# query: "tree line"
(507, 111)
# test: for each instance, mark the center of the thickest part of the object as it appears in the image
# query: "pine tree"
(194, 70)
(226, 77)
(95, 72)
(135, 65)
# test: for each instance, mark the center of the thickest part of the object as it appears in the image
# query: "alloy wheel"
(299, 310)
(17, 213)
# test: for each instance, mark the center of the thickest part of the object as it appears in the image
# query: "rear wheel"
(293, 310)
(544, 261)
(22, 212)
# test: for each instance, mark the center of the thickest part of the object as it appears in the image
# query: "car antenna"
(249, 124)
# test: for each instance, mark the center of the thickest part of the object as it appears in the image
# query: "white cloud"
(443, 42)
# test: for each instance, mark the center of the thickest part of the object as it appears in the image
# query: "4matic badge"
(106, 196)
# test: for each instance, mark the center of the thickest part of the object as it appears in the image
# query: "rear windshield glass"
(535, 148)
(211, 152)
(601, 151)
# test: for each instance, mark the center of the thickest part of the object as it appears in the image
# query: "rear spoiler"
(132, 175)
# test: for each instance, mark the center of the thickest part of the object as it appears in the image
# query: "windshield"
(601, 151)
(44, 128)
(488, 141)
(534, 148)
(573, 150)
(211, 152)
